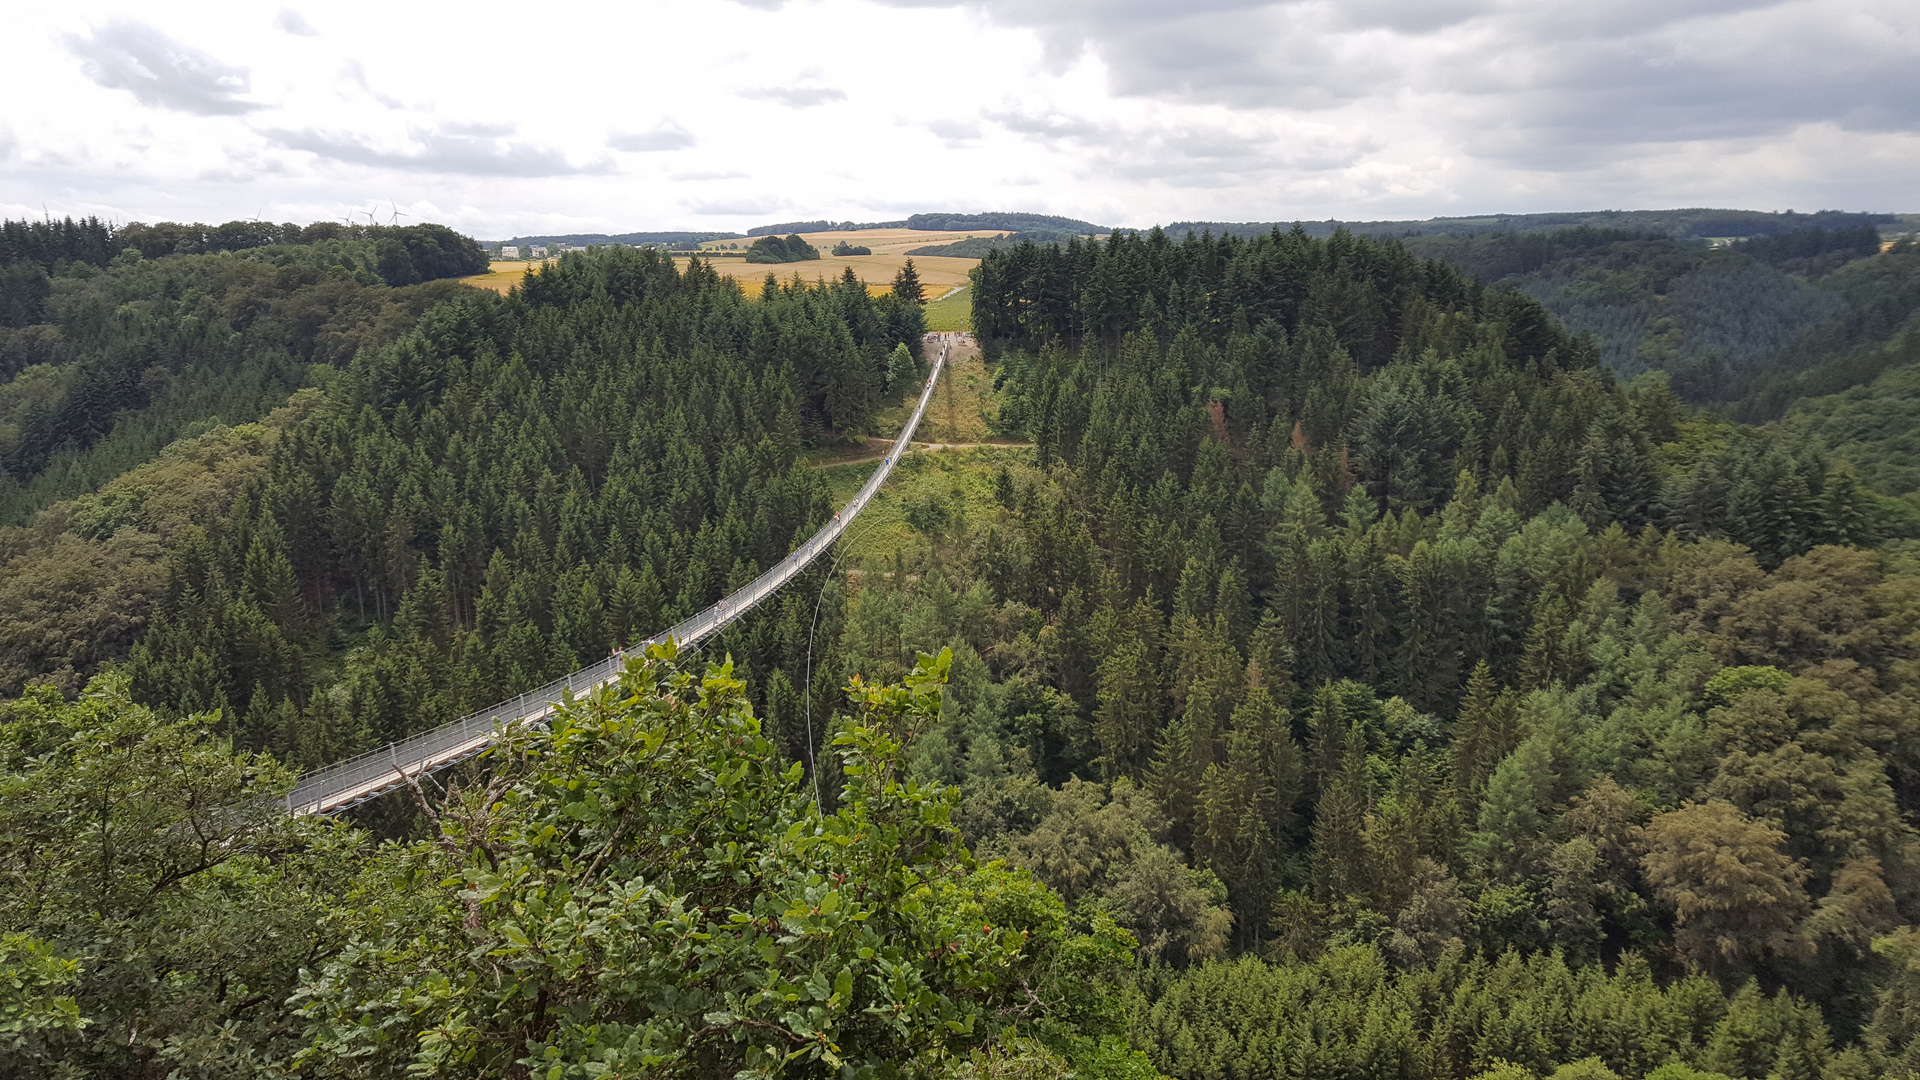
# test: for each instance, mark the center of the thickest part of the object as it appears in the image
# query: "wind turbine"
(397, 215)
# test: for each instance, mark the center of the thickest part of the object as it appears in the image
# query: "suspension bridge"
(355, 780)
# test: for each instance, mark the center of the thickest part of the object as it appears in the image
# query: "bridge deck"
(357, 779)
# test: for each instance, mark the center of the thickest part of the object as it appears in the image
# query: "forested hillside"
(1876, 424)
(1752, 326)
(1347, 603)
(1680, 224)
(114, 349)
(512, 488)
(1343, 672)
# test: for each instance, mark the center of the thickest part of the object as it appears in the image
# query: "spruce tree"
(1483, 734)
(1340, 868)
(906, 285)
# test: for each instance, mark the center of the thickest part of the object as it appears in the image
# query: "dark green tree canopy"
(774, 249)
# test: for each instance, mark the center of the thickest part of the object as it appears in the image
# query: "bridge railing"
(357, 779)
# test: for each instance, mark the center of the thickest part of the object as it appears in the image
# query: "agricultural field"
(944, 277)
(504, 274)
(938, 273)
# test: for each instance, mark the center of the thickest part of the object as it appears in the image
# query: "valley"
(1250, 614)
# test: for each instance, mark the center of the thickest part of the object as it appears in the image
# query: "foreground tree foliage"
(157, 904)
(645, 888)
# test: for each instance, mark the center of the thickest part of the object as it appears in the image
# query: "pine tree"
(906, 285)
(1340, 868)
(1129, 707)
(1510, 841)
(1844, 509)
(1428, 664)
(268, 573)
(1543, 661)
(1245, 810)
(1484, 733)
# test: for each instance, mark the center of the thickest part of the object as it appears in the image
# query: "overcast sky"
(716, 114)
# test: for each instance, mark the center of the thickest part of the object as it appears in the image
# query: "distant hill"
(586, 239)
(1049, 228)
(821, 225)
(1000, 220)
(975, 247)
(943, 222)
(1797, 306)
(1677, 224)
(1750, 326)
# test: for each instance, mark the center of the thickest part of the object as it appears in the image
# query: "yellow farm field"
(940, 274)
(937, 272)
(503, 275)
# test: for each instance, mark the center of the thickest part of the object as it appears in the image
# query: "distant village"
(532, 251)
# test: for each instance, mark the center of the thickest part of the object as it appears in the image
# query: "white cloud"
(159, 71)
(1126, 111)
(798, 97)
(472, 149)
(294, 23)
(667, 136)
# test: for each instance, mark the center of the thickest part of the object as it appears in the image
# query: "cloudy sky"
(720, 114)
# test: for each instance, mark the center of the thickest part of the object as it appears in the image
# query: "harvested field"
(939, 274)
(502, 275)
(890, 247)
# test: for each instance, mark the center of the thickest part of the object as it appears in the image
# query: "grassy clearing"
(963, 406)
(934, 498)
(941, 492)
(954, 312)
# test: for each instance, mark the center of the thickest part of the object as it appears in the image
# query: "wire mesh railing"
(355, 780)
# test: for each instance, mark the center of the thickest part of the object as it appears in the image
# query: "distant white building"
(537, 251)
(509, 251)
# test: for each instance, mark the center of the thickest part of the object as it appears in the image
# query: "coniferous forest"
(1344, 669)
